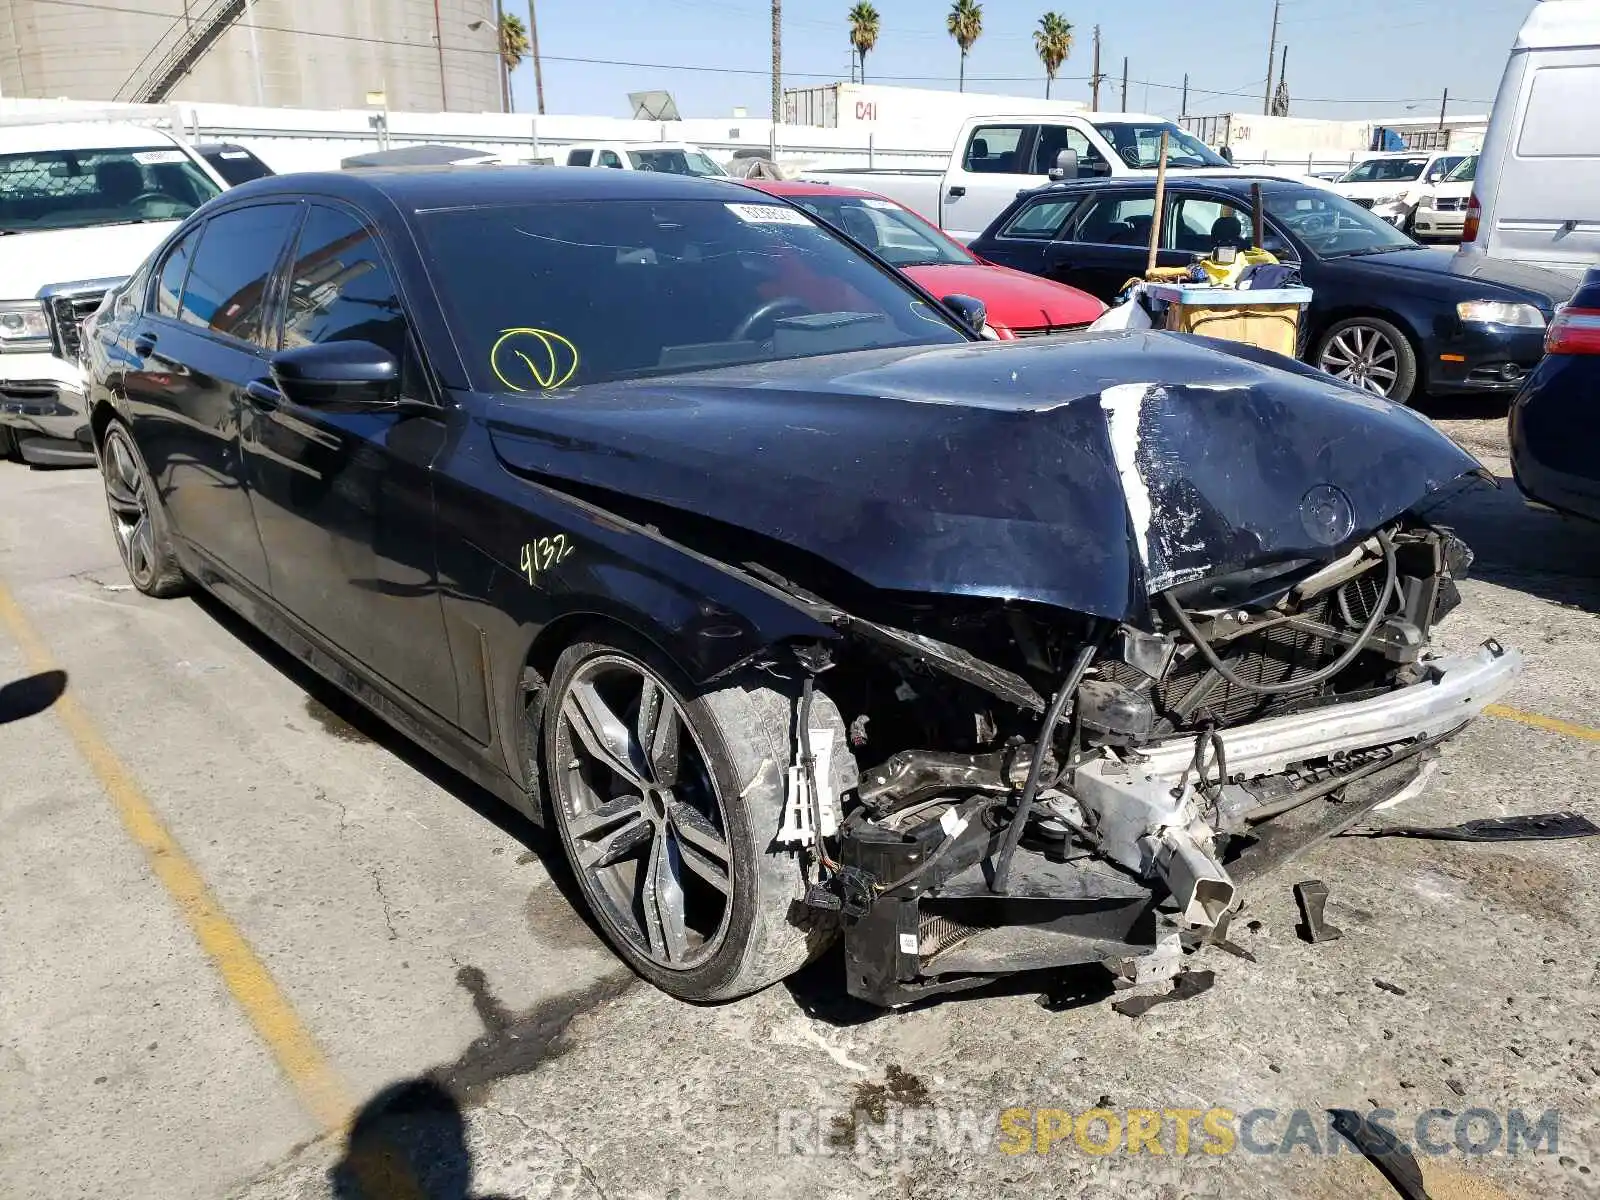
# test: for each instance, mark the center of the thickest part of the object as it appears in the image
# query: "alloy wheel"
(1364, 356)
(127, 495)
(639, 808)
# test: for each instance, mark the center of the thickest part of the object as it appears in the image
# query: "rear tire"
(666, 803)
(138, 519)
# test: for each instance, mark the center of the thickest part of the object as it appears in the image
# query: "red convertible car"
(1020, 305)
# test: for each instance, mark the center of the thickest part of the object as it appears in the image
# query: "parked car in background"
(81, 203)
(1017, 304)
(995, 157)
(1387, 314)
(671, 158)
(1536, 198)
(1391, 184)
(235, 164)
(1441, 210)
(1555, 455)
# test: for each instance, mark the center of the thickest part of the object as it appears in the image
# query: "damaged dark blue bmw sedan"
(798, 609)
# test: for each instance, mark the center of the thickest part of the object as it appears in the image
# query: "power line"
(763, 72)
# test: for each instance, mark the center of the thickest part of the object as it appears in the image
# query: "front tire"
(666, 803)
(138, 520)
(1369, 353)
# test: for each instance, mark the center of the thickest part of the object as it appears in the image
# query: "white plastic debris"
(797, 828)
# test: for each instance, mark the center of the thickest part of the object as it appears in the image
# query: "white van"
(1536, 199)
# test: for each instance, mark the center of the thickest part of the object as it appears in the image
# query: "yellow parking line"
(1539, 721)
(265, 1006)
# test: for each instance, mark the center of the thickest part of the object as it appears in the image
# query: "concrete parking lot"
(254, 945)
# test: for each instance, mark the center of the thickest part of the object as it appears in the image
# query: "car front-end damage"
(1097, 654)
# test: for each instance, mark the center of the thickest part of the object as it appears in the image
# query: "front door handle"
(263, 394)
(957, 192)
(144, 345)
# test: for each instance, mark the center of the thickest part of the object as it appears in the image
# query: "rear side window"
(169, 284)
(1117, 220)
(339, 288)
(580, 158)
(1042, 219)
(608, 158)
(1559, 122)
(227, 288)
(995, 149)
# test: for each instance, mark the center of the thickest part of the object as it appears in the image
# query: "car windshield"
(1385, 170)
(886, 229)
(1332, 226)
(1466, 170)
(674, 162)
(1139, 144)
(545, 295)
(76, 189)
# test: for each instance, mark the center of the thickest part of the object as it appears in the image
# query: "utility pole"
(438, 41)
(1183, 105)
(1443, 104)
(1272, 55)
(777, 73)
(1094, 75)
(1124, 84)
(533, 45)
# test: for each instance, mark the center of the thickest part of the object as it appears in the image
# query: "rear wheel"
(666, 804)
(1371, 354)
(138, 521)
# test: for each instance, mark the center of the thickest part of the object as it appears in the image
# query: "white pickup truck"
(81, 206)
(996, 157)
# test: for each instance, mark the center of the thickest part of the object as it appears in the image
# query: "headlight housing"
(1426, 200)
(1500, 312)
(1391, 198)
(22, 325)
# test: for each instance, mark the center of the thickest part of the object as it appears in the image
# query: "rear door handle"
(263, 394)
(144, 345)
(957, 192)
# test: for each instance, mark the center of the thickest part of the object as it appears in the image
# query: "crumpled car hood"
(1087, 472)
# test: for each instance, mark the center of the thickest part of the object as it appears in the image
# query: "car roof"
(807, 187)
(419, 189)
(81, 135)
(1231, 183)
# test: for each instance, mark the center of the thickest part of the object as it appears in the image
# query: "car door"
(1107, 243)
(344, 500)
(985, 177)
(195, 347)
(1022, 241)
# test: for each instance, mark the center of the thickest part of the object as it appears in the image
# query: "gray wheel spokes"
(602, 732)
(661, 898)
(1340, 356)
(658, 730)
(702, 849)
(628, 842)
(141, 547)
(604, 817)
(124, 487)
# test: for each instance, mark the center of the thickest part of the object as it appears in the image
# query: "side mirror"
(1066, 166)
(353, 375)
(969, 310)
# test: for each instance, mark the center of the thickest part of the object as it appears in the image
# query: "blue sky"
(1376, 57)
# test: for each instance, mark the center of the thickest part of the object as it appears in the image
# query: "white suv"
(1391, 184)
(81, 205)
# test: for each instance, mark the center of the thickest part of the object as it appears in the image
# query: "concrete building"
(422, 55)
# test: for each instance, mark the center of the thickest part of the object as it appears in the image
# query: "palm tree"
(965, 24)
(1053, 41)
(513, 49)
(863, 32)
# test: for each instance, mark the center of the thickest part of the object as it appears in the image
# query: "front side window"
(886, 229)
(1465, 171)
(585, 293)
(340, 289)
(608, 158)
(674, 162)
(995, 150)
(1053, 139)
(226, 292)
(78, 189)
(1138, 144)
(1041, 219)
(1117, 220)
(174, 268)
(1199, 224)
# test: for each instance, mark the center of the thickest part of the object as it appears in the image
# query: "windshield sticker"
(768, 214)
(539, 555)
(885, 205)
(925, 311)
(152, 158)
(533, 360)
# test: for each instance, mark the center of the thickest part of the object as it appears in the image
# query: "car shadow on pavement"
(31, 695)
(409, 1142)
(1532, 550)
